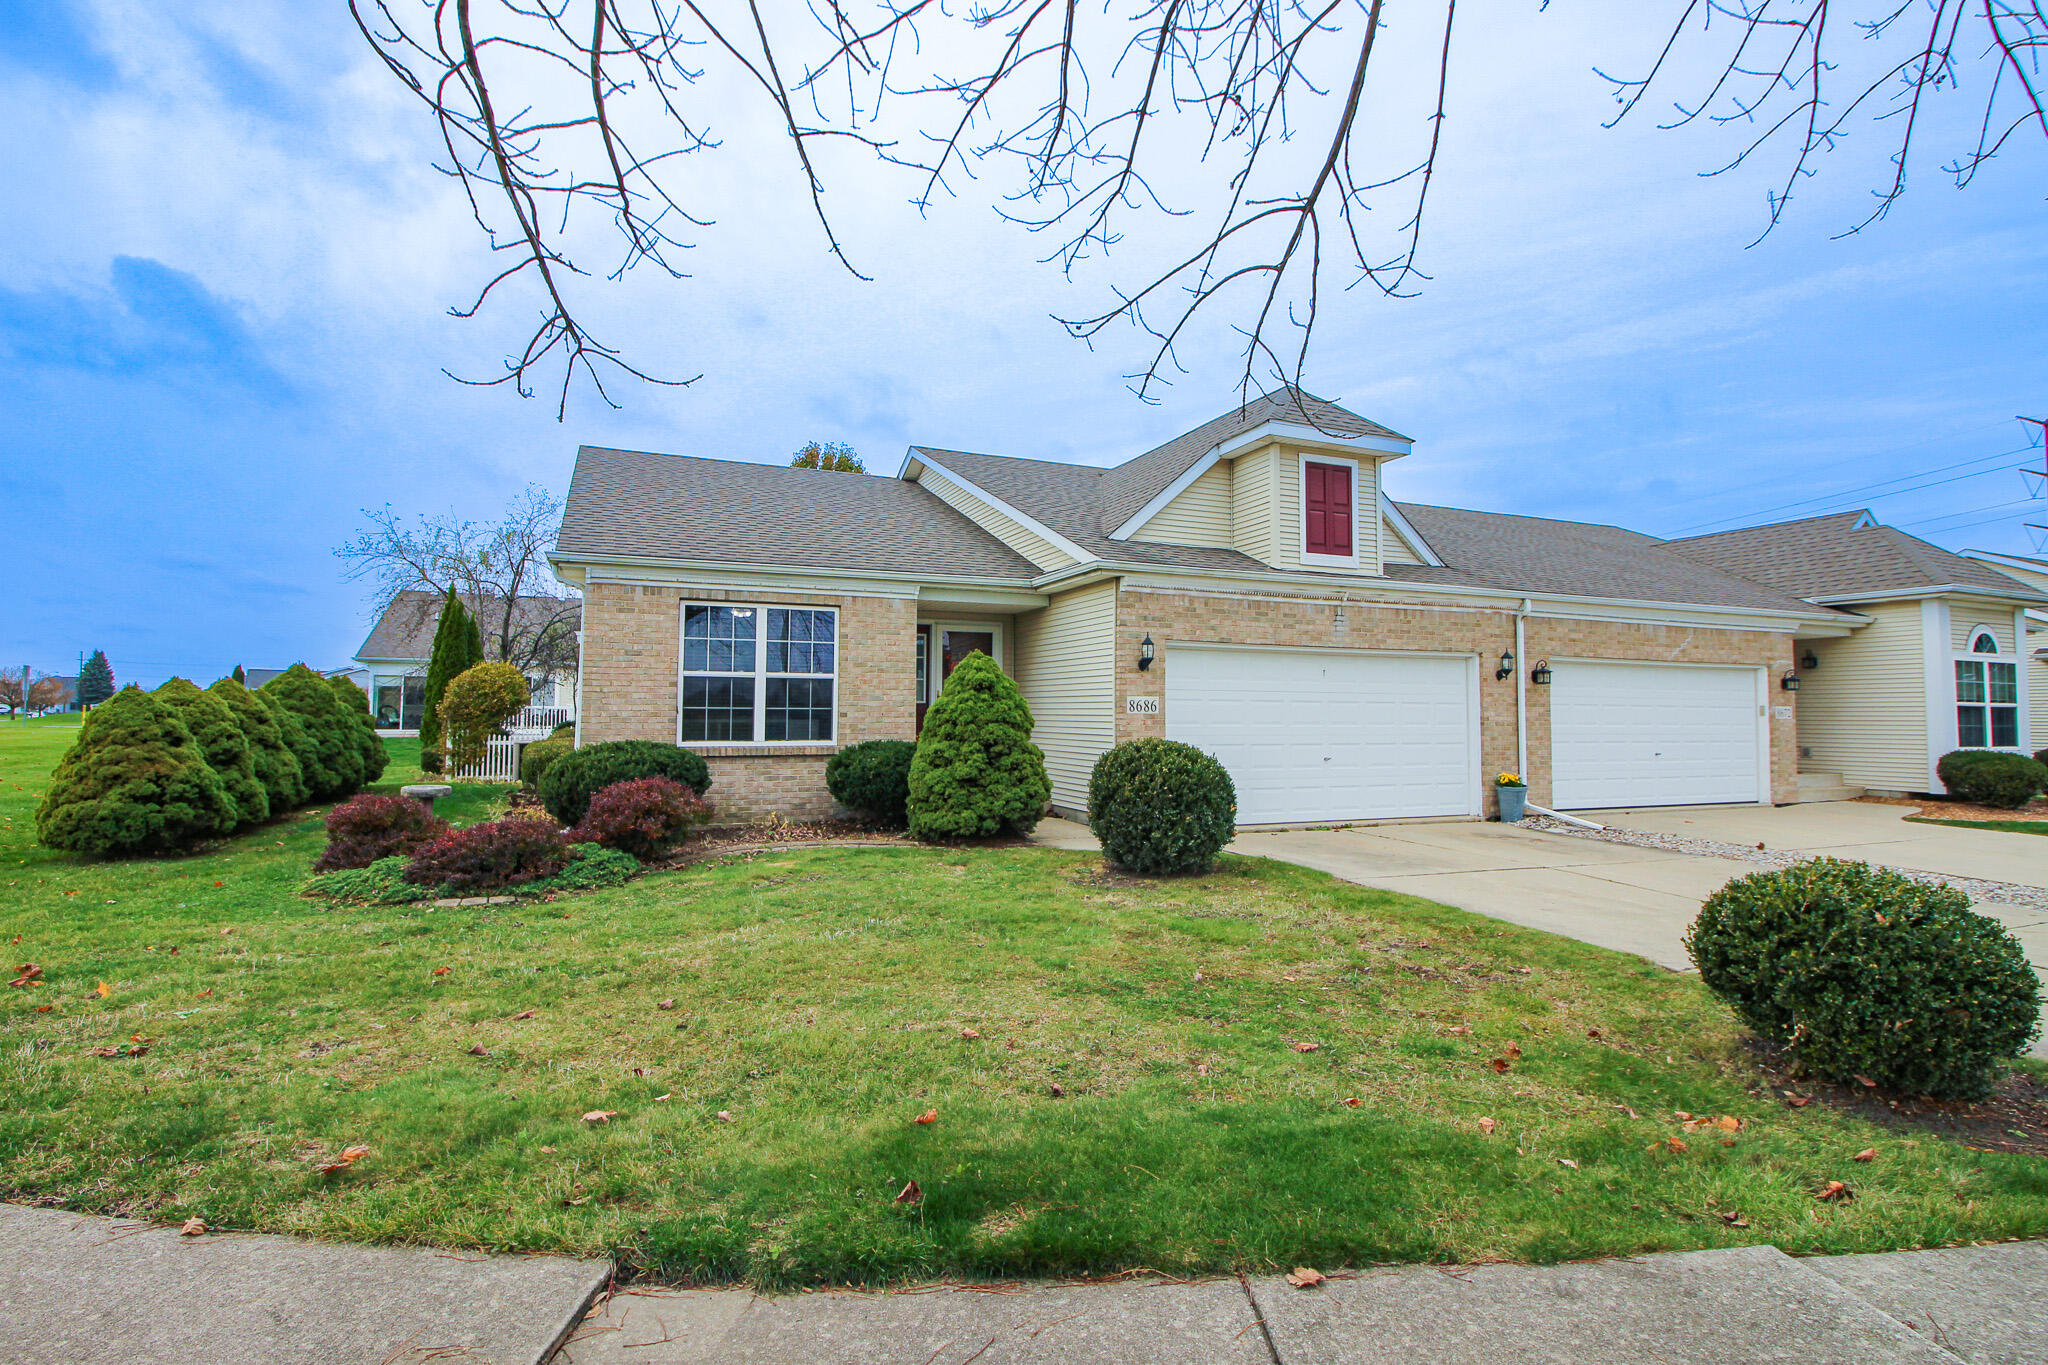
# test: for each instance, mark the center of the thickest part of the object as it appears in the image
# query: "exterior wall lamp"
(1145, 654)
(1808, 661)
(1790, 682)
(1507, 665)
(1540, 675)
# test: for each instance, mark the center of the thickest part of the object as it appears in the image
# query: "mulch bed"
(2012, 1118)
(1962, 810)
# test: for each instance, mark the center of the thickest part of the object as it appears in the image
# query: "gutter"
(1521, 694)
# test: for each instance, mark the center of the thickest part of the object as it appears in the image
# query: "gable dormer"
(1290, 495)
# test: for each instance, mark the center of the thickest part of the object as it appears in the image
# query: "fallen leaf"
(193, 1227)
(910, 1194)
(1728, 1123)
(1353, 1102)
(1868, 1084)
(440, 971)
(220, 883)
(1487, 1125)
(969, 1033)
(1835, 1192)
(1630, 1112)
(1056, 1090)
(526, 1014)
(928, 1116)
(1799, 1101)
(1867, 1154)
(1514, 1052)
(1302, 1277)
(1592, 1033)
(1308, 1047)
(103, 990)
(600, 1116)
(1500, 1064)
(1676, 1145)
(29, 972)
(1460, 1030)
(349, 1157)
(1734, 1219)
(660, 1098)
(547, 1149)
(1567, 1161)
(208, 991)
(479, 1050)
(665, 1005)
(43, 1009)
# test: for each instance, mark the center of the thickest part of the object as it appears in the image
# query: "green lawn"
(819, 1001)
(2007, 826)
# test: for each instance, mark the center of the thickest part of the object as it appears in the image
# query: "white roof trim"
(2019, 591)
(1410, 537)
(2020, 562)
(1266, 433)
(1029, 523)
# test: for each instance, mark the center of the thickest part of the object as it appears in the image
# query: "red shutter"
(1326, 499)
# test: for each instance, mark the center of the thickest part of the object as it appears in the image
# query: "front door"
(954, 645)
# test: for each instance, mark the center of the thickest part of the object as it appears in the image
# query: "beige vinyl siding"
(1394, 549)
(1285, 513)
(2037, 696)
(1863, 710)
(1003, 527)
(1965, 615)
(1251, 504)
(1201, 514)
(1065, 664)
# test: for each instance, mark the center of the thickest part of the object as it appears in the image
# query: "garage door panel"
(1328, 735)
(1653, 735)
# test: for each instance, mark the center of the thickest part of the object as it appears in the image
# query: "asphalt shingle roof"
(406, 628)
(636, 505)
(1838, 556)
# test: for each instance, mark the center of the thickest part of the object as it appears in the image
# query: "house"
(2032, 572)
(1941, 662)
(392, 664)
(1247, 587)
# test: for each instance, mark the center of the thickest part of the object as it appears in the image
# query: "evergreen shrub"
(976, 771)
(569, 782)
(1160, 806)
(134, 781)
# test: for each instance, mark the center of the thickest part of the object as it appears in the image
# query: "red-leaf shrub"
(495, 854)
(365, 828)
(646, 816)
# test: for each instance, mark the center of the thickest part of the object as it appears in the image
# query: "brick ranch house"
(1249, 588)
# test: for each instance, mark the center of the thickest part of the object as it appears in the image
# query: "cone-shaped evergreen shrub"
(356, 702)
(135, 781)
(337, 769)
(226, 748)
(95, 680)
(239, 676)
(458, 647)
(977, 772)
(296, 738)
(277, 767)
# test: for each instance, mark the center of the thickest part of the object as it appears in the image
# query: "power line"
(1866, 490)
(1971, 511)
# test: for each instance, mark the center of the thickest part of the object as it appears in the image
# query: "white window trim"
(2018, 705)
(1970, 650)
(1322, 561)
(760, 675)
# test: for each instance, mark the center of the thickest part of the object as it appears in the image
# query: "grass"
(2005, 826)
(768, 1028)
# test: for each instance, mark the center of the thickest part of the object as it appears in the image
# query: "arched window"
(1982, 641)
(1987, 697)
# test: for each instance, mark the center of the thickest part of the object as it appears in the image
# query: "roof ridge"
(1523, 516)
(1775, 525)
(1014, 459)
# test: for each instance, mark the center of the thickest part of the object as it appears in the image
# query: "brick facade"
(632, 638)
(1196, 617)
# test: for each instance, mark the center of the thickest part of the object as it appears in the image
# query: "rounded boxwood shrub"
(1862, 971)
(1987, 777)
(873, 777)
(569, 782)
(486, 857)
(977, 772)
(535, 757)
(134, 781)
(226, 748)
(368, 827)
(1161, 806)
(296, 737)
(646, 817)
(277, 767)
(337, 769)
(356, 702)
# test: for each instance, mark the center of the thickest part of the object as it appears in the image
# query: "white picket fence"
(501, 763)
(542, 718)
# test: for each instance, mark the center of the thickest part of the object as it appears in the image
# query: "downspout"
(1521, 694)
(577, 742)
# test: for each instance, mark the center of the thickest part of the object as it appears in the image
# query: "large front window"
(1987, 701)
(758, 674)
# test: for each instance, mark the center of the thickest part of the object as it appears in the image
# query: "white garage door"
(1312, 735)
(1653, 735)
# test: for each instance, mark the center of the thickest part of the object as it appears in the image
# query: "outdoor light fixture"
(1790, 682)
(1540, 675)
(1507, 665)
(1145, 654)
(1809, 661)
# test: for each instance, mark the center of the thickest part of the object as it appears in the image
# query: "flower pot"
(1514, 803)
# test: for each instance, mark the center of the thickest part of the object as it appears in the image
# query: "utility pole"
(2038, 530)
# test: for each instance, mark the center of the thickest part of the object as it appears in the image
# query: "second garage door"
(1654, 735)
(1313, 735)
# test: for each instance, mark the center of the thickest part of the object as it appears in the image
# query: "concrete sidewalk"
(1982, 1305)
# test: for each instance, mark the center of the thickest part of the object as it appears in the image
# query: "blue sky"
(226, 260)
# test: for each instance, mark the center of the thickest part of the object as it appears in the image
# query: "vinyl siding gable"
(1202, 513)
(1001, 525)
(1066, 667)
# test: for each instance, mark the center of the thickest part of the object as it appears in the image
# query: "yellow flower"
(1508, 780)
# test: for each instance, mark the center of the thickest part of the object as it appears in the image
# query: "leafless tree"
(499, 569)
(28, 692)
(1256, 110)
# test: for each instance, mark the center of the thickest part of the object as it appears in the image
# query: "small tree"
(477, 705)
(356, 702)
(95, 680)
(458, 647)
(239, 676)
(135, 781)
(828, 455)
(14, 692)
(219, 736)
(337, 769)
(46, 693)
(277, 766)
(977, 772)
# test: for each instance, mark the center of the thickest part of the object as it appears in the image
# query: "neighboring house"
(1247, 587)
(394, 659)
(2034, 574)
(1940, 663)
(256, 677)
(70, 702)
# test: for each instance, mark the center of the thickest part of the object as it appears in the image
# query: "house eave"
(2017, 593)
(663, 568)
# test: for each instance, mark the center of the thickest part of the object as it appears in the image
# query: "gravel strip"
(1977, 889)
